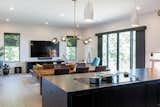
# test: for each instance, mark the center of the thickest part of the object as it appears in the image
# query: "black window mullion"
(118, 51)
(131, 49)
(107, 51)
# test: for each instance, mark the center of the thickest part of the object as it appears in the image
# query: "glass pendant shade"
(135, 19)
(55, 40)
(88, 11)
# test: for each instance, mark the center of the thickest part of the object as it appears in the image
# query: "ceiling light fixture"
(89, 11)
(55, 40)
(7, 20)
(75, 26)
(90, 39)
(46, 23)
(75, 22)
(135, 16)
(85, 42)
(63, 38)
(11, 8)
(62, 15)
(138, 8)
(89, 20)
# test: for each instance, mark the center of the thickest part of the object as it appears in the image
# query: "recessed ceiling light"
(46, 23)
(89, 20)
(7, 20)
(11, 8)
(62, 14)
(138, 8)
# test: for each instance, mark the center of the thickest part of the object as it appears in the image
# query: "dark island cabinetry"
(153, 94)
(65, 91)
(135, 95)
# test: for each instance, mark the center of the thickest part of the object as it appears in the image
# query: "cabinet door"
(158, 94)
(133, 95)
(152, 94)
(108, 98)
(82, 100)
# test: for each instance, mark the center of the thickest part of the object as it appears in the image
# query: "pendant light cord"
(74, 11)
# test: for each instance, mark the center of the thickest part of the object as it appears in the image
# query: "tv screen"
(44, 49)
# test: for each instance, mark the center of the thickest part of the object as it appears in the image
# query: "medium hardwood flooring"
(20, 90)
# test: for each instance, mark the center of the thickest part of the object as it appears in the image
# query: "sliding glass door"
(119, 51)
(104, 50)
(124, 51)
(112, 51)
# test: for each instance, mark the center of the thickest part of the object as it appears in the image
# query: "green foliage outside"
(1, 53)
(124, 51)
(11, 47)
(11, 53)
(71, 48)
(71, 41)
(71, 53)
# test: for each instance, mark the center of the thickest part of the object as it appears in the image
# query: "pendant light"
(63, 38)
(75, 19)
(85, 42)
(89, 11)
(55, 40)
(135, 16)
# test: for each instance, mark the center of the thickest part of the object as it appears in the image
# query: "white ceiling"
(41, 11)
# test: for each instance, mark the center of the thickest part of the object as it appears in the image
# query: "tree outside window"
(11, 47)
(71, 48)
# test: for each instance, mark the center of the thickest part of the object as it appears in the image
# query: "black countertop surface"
(80, 82)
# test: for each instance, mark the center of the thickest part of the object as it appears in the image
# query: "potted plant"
(5, 68)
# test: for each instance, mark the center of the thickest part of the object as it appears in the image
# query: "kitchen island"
(140, 89)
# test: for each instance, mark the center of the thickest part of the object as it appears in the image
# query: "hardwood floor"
(19, 91)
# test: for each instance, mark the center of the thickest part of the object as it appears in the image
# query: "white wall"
(43, 32)
(151, 20)
(36, 32)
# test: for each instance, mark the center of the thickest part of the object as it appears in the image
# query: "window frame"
(17, 34)
(72, 47)
(118, 51)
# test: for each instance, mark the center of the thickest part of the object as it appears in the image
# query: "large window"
(112, 51)
(11, 47)
(124, 51)
(71, 48)
(119, 50)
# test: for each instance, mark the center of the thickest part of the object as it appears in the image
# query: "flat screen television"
(44, 49)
